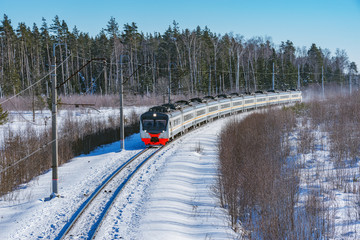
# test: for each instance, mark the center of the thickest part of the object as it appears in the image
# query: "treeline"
(196, 61)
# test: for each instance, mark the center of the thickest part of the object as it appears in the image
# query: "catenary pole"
(350, 83)
(169, 90)
(298, 84)
(322, 81)
(55, 162)
(209, 90)
(169, 83)
(122, 140)
(273, 77)
(121, 93)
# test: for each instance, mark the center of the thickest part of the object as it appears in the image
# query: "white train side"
(163, 123)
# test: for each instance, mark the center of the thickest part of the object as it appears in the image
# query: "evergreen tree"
(289, 70)
(112, 27)
(11, 81)
(3, 116)
(353, 68)
(314, 64)
(199, 60)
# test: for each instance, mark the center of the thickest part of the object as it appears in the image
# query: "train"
(161, 124)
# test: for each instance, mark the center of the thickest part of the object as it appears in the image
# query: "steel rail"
(95, 228)
(68, 226)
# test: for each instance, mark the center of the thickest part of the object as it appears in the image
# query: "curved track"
(85, 222)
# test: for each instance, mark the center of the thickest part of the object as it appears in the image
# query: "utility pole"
(169, 90)
(169, 83)
(350, 84)
(122, 140)
(273, 77)
(209, 90)
(54, 133)
(54, 144)
(298, 85)
(121, 93)
(322, 81)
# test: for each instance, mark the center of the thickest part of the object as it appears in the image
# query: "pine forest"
(192, 62)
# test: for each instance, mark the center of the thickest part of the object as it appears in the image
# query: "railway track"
(86, 221)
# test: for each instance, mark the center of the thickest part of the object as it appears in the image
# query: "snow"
(19, 121)
(321, 176)
(29, 216)
(171, 197)
(178, 201)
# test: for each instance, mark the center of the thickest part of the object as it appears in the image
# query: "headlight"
(154, 115)
(144, 130)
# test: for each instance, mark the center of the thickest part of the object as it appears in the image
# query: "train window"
(200, 112)
(160, 124)
(148, 124)
(154, 125)
(237, 103)
(225, 106)
(176, 122)
(187, 117)
(211, 109)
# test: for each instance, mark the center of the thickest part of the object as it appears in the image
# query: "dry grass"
(75, 137)
(256, 184)
(258, 181)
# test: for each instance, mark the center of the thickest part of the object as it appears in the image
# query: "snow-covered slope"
(171, 198)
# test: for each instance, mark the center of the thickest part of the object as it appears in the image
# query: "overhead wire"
(91, 87)
(240, 72)
(22, 116)
(32, 85)
(40, 148)
(19, 94)
(37, 82)
(26, 157)
(29, 87)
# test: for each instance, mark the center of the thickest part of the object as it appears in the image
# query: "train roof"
(222, 96)
(209, 98)
(184, 104)
(197, 100)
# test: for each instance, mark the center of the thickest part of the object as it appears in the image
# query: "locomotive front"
(154, 128)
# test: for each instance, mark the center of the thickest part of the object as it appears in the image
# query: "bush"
(27, 154)
(255, 183)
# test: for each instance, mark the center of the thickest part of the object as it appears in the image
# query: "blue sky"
(329, 24)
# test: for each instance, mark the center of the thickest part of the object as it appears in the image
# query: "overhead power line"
(32, 85)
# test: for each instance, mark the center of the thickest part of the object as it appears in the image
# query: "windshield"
(157, 125)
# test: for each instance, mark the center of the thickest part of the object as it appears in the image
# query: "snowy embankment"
(171, 198)
(332, 190)
(18, 121)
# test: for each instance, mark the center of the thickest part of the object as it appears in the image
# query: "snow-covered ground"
(21, 120)
(171, 198)
(337, 188)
